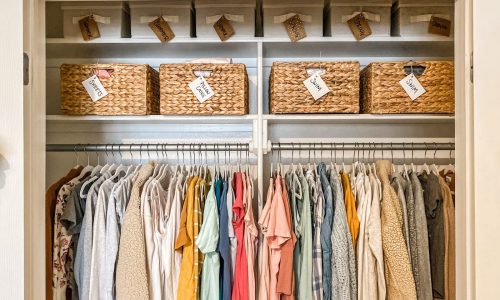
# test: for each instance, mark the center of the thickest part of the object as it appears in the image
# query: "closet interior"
(265, 141)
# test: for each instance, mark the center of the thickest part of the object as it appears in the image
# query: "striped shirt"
(317, 200)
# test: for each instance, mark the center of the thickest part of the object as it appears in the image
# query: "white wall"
(487, 147)
(11, 152)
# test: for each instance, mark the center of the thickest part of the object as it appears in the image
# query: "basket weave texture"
(132, 90)
(288, 94)
(381, 92)
(228, 81)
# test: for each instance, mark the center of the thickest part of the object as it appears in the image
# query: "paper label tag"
(359, 27)
(94, 88)
(439, 26)
(295, 28)
(316, 86)
(162, 30)
(224, 29)
(201, 89)
(412, 86)
(89, 28)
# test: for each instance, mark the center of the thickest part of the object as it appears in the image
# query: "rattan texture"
(132, 90)
(228, 81)
(381, 92)
(288, 94)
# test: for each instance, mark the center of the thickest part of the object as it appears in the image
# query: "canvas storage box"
(240, 13)
(381, 92)
(112, 18)
(132, 89)
(228, 81)
(411, 18)
(178, 14)
(377, 12)
(275, 12)
(288, 94)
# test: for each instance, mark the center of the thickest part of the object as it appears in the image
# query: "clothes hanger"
(343, 157)
(412, 166)
(88, 168)
(434, 167)
(426, 167)
(393, 167)
(405, 166)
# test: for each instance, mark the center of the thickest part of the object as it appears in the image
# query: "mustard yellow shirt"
(350, 207)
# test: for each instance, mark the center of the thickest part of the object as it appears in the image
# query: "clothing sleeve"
(72, 215)
(278, 231)
(208, 237)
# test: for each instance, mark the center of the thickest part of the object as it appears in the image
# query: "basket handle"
(205, 73)
(417, 70)
(103, 73)
(312, 70)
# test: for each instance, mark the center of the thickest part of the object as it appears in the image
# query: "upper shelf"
(359, 119)
(156, 119)
(247, 47)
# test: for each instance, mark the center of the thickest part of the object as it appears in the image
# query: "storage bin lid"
(292, 3)
(93, 5)
(361, 3)
(168, 3)
(424, 3)
(224, 3)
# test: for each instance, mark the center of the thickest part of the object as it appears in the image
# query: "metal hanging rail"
(229, 147)
(367, 146)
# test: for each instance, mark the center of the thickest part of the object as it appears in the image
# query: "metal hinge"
(26, 69)
(472, 67)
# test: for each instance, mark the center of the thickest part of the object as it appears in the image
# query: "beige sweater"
(131, 269)
(398, 271)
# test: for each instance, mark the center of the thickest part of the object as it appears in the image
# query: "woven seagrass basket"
(381, 92)
(132, 89)
(228, 81)
(288, 94)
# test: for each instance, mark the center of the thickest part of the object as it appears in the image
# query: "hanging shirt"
(398, 273)
(326, 232)
(375, 265)
(350, 206)
(240, 286)
(316, 196)
(433, 200)
(449, 240)
(190, 222)
(131, 267)
(207, 243)
(62, 241)
(285, 281)
(224, 247)
(277, 234)
(344, 278)
(423, 278)
(305, 291)
(117, 204)
(170, 257)
(264, 267)
(294, 189)
(398, 183)
(363, 194)
(233, 242)
(251, 233)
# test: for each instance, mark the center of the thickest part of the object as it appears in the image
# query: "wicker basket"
(228, 81)
(381, 92)
(288, 93)
(132, 90)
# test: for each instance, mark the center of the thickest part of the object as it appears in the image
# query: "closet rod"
(367, 146)
(147, 147)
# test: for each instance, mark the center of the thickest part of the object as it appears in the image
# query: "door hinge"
(26, 69)
(472, 67)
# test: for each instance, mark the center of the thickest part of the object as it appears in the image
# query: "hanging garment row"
(372, 230)
(154, 231)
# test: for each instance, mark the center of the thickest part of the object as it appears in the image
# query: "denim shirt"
(224, 247)
(326, 232)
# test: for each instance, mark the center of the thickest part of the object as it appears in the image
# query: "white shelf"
(156, 119)
(358, 119)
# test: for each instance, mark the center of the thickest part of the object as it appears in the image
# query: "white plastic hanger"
(426, 167)
(434, 167)
(88, 168)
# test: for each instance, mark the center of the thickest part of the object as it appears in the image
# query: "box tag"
(316, 86)
(201, 89)
(359, 27)
(224, 28)
(89, 28)
(412, 86)
(439, 26)
(162, 29)
(94, 88)
(295, 28)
